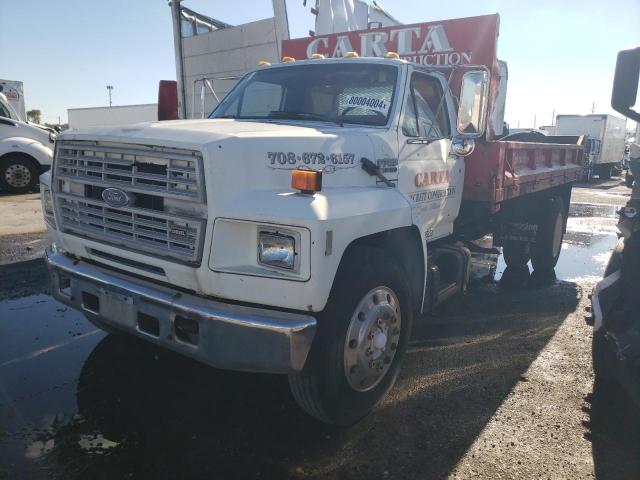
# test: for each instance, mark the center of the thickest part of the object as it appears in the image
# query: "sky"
(561, 54)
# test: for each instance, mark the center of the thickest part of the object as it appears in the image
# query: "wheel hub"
(17, 176)
(372, 339)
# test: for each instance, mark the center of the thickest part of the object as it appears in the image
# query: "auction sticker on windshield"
(362, 101)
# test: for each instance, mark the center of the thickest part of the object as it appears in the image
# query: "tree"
(34, 115)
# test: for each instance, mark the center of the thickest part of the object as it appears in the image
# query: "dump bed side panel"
(499, 171)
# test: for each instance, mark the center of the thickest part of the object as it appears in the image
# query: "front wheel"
(17, 174)
(361, 340)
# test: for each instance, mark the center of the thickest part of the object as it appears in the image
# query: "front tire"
(18, 174)
(361, 339)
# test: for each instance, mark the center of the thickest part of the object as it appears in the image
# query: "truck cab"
(26, 150)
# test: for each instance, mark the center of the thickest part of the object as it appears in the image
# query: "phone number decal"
(282, 159)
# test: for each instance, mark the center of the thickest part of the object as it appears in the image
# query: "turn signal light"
(263, 63)
(317, 56)
(288, 59)
(307, 181)
(351, 55)
(393, 55)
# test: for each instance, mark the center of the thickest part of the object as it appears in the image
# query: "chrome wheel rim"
(17, 176)
(557, 236)
(372, 339)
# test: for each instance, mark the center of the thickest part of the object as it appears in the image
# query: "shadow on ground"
(147, 413)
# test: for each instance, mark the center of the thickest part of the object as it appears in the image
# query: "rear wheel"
(628, 180)
(605, 172)
(361, 340)
(17, 174)
(516, 254)
(551, 222)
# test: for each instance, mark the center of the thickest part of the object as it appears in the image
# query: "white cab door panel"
(430, 175)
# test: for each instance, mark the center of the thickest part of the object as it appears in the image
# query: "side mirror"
(625, 83)
(473, 104)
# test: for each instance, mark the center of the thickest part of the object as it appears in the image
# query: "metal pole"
(109, 89)
(177, 42)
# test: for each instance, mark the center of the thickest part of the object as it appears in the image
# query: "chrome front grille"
(166, 214)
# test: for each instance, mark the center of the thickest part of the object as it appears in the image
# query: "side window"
(260, 98)
(426, 113)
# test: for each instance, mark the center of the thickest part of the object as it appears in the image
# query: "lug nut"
(380, 323)
(353, 370)
(369, 352)
(393, 346)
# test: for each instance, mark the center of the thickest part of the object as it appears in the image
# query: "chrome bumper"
(218, 334)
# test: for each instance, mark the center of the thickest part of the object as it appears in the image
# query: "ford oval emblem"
(114, 197)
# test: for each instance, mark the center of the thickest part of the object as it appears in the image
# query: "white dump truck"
(324, 205)
(26, 150)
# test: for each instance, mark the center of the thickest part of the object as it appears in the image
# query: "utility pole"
(535, 120)
(110, 89)
(553, 117)
(593, 108)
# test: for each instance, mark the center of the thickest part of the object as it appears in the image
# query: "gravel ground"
(496, 385)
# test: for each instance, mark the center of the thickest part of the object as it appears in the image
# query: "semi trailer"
(324, 206)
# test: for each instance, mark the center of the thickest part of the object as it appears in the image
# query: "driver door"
(430, 175)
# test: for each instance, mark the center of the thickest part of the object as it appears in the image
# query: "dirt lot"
(497, 385)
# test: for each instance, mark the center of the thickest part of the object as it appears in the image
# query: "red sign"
(461, 41)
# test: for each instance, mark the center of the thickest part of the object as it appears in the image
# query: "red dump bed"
(500, 170)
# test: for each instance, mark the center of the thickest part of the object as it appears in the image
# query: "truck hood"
(241, 157)
(199, 132)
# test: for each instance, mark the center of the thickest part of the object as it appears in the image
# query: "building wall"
(105, 116)
(229, 52)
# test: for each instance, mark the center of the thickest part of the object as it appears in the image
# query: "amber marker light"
(288, 59)
(263, 63)
(392, 55)
(317, 56)
(351, 55)
(307, 181)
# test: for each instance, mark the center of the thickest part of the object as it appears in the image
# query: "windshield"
(354, 93)
(7, 110)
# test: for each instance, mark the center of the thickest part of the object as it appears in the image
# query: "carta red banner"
(460, 41)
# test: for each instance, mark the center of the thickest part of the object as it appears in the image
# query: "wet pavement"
(77, 403)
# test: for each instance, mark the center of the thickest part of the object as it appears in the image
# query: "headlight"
(276, 250)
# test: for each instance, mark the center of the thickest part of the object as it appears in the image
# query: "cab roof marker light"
(287, 59)
(317, 56)
(351, 55)
(263, 63)
(392, 55)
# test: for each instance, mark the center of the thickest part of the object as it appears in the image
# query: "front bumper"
(218, 334)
